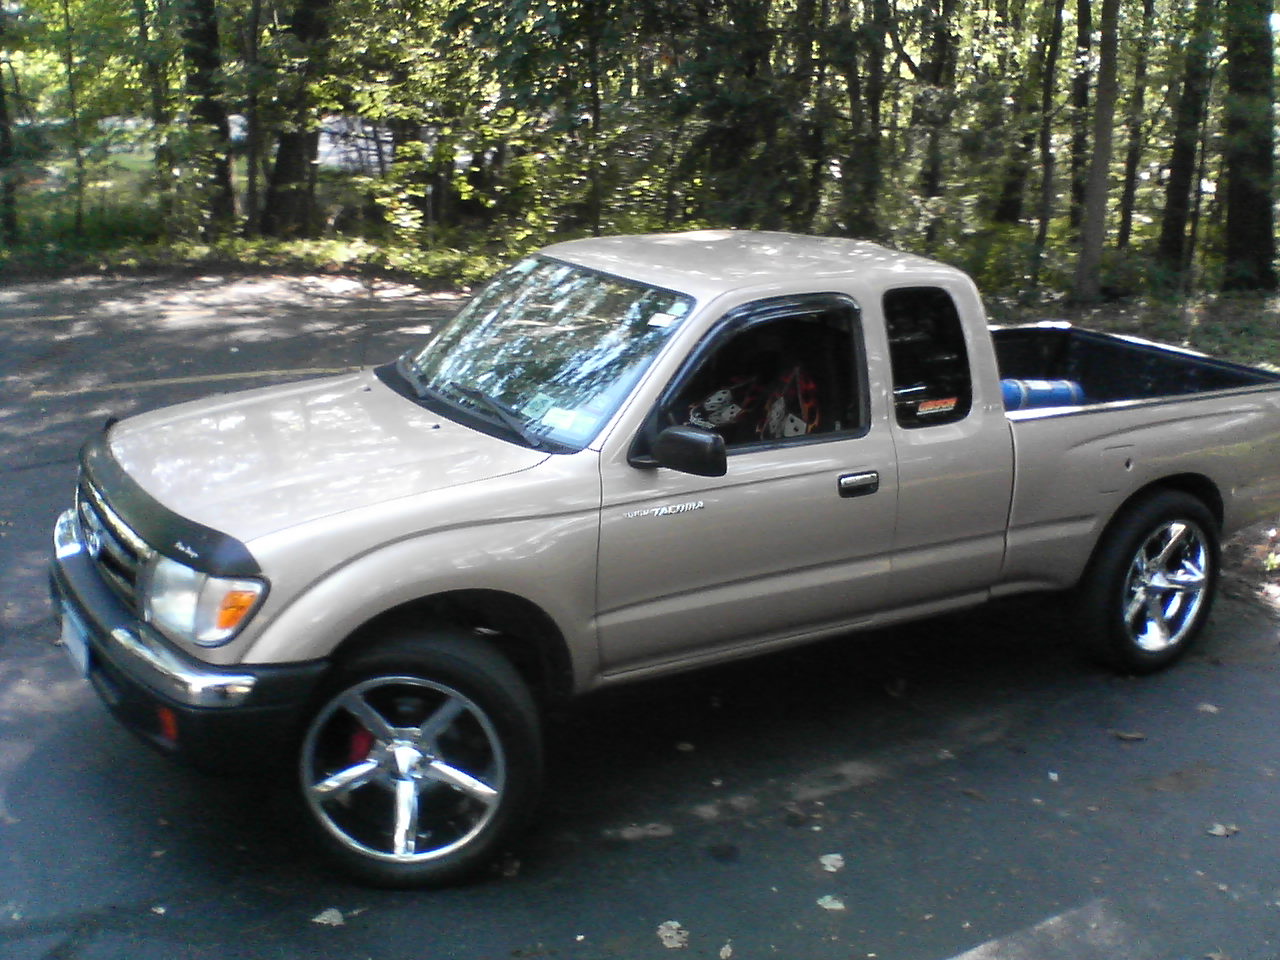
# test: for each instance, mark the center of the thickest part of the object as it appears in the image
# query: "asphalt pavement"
(962, 789)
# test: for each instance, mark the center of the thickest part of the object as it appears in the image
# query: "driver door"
(794, 539)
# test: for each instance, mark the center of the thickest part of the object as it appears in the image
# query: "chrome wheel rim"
(402, 769)
(1167, 585)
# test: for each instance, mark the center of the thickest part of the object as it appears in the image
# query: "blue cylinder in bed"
(1028, 394)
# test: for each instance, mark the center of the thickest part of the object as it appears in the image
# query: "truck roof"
(705, 263)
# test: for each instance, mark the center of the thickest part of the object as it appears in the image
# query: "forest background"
(1076, 150)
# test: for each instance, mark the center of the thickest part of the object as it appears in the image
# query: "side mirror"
(690, 450)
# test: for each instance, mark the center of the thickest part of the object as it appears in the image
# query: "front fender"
(550, 562)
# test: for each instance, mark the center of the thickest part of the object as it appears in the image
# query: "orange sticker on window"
(930, 407)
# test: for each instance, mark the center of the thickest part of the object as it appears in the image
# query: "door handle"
(858, 484)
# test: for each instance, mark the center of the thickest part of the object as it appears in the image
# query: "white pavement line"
(1086, 933)
(207, 378)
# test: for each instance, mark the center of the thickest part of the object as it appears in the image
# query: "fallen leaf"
(1222, 830)
(831, 903)
(672, 935)
(329, 918)
(646, 831)
(831, 862)
(1129, 736)
(1209, 708)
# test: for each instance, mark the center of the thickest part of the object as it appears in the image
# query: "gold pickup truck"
(623, 457)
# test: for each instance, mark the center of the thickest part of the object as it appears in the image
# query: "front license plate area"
(75, 641)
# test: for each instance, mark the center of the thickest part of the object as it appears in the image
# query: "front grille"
(118, 552)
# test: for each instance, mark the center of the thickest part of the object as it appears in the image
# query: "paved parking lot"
(959, 789)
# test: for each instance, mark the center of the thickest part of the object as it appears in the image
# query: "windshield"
(554, 347)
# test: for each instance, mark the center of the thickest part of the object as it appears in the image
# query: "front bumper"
(231, 719)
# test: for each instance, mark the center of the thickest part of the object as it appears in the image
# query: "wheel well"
(1193, 484)
(520, 630)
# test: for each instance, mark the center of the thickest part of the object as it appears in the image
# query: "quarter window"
(931, 382)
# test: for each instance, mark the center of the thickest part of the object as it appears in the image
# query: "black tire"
(422, 760)
(1148, 589)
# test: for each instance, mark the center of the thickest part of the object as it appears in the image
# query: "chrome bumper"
(131, 646)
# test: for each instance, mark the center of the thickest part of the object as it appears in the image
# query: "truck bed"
(1109, 367)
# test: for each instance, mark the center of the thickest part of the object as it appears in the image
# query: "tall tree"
(8, 154)
(1048, 81)
(938, 71)
(203, 54)
(154, 63)
(1135, 122)
(1189, 118)
(860, 47)
(1250, 148)
(1080, 108)
(1011, 192)
(255, 80)
(74, 121)
(289, 206)
(1093, 228)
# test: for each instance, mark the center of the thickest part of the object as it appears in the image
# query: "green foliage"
(489, 127)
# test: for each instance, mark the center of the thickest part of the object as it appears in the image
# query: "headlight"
(189, 605)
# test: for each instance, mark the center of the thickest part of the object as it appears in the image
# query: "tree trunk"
(289, 207)
(1048, 82)
(1250, 148)
(155, 77)
(1189, 116)
(1080, 110)
(595, 163)
(200, 47)
(862, 166)
(253, 119)
(807, 84)
(1137, 117)
(1186, 269)
(939, 73)
(1093, 230)
(8, 159)
(73, 111)
(1011, 198)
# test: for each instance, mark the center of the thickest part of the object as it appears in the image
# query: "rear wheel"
(422, 760)
(1148, 590)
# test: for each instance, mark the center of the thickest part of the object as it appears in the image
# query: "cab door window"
(781, 377)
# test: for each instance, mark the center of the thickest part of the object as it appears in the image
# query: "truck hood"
(253, 463)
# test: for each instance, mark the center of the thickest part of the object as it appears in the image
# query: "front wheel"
(424, 757)
(1148, 590)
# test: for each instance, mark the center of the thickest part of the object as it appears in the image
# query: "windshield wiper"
(406, 369)
(506, 414)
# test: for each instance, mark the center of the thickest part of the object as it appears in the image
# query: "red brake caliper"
(361, 744)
